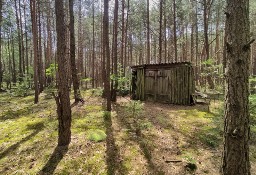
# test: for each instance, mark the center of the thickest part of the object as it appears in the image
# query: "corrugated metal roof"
(161, 65)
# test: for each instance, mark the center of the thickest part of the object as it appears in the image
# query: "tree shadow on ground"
(54, 160)
(13, 114)
(36, 127)
(136, 136)
(114, 164)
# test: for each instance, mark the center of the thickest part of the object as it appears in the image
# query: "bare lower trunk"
(236, 129)
(62, 99)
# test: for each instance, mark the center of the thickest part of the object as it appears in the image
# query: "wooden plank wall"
(140, 91)
(174, 85)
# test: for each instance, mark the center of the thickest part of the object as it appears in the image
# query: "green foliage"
(7, 77)
(23, 86)
(145, 125)
(97, 135)
(123, 81)
(87, 79)
(107, 115)
(51, 70)
(252, 81)
(252, 109)
(135, 107)
(48, 91)
(211, 68)
(96, 92)
(212, 138)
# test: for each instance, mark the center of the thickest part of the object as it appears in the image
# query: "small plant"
(191, 162)
(48, 91)
(123, 81)
(145, 125)
(96, 92)
(135, 107)
(50, 73)
(97, 135)
(23, 86)
(252, 109)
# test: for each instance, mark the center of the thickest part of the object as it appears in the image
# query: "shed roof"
(161, 65)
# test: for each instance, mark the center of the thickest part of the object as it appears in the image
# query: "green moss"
(97, 135)
(93, 108)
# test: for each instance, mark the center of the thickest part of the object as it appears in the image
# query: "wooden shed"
(169, 83)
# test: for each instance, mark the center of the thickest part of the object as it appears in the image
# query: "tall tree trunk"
(165, 35)
(123, 35)
(49, 54)
(22, 39)
(197, 45)
(19, 40)
(1, 65)
(62, 99)
(206, 39)
(160, 32)
(107, 54)
(93, 45)
(14, 75)
(236, 129)
(80, 67)
(148, 35)
(9, 61)
(206, 9)
(126, 36)
(73, 53)
(39, 51)
(26, 38)
(114, 51)
(33, 9)
(175, 32)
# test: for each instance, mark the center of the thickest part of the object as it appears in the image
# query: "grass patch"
(201, 127)
(29, 134)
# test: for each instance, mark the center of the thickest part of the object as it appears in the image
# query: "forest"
(128, 87)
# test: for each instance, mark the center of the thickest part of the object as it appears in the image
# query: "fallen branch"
(173, 161)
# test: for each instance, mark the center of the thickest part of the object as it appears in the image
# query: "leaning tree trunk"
(236, 129)
(62, 99)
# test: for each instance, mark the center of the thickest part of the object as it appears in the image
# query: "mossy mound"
(97, 135)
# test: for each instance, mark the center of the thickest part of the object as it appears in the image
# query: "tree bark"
(73, 54)
(26, 38)
(1, 65)
(62, 99)
(236, 130)
(93, 45)
(107, 54)
(33, 8)
(207, 6)
(39, 51)
(174, 32)
(19, 40)
(160, 32)
(114, 51)
(148, 35)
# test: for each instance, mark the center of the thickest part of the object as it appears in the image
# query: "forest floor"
(141, 138)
